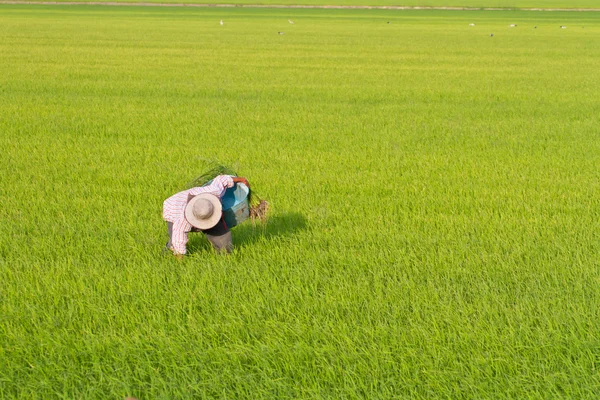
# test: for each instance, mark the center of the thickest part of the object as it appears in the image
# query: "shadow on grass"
(282, 225)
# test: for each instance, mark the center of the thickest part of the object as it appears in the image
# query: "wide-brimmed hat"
(203, 211)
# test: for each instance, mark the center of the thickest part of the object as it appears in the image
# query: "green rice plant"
(210, 169)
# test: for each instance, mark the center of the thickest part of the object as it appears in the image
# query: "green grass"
(435, 220)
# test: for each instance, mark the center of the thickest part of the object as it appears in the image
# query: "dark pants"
(219, 236)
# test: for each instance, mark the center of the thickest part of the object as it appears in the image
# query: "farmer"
(199, 209)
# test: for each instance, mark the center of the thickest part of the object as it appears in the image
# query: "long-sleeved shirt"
(174, 209)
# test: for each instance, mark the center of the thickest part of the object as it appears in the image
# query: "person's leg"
(221, 243)
(170, 230)
(220, 237)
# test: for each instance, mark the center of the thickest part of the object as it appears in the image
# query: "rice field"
(434, 192)
(509, 4)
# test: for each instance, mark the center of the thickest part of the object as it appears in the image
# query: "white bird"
(512, 25)
(281, 33)
(471, 24)
(221, 22)
(563, 27)
(290, 21)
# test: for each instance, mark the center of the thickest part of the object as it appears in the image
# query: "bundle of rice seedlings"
(211, 169)
(258, 210)
(258, 206)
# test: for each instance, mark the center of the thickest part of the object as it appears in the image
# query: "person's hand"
(241, 180)
(226, 180)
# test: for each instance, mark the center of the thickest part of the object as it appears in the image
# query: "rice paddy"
(509, 4)
(434, 217)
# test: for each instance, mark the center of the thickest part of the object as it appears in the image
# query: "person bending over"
(199, 209)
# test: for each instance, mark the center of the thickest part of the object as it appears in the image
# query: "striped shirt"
(174, 208)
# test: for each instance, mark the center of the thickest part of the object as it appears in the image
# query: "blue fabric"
(235, 205)
(236, 208)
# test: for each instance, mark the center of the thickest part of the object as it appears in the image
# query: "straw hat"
(203, 211)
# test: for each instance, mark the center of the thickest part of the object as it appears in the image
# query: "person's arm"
(179, 237)
(219, 185)
(216, 187)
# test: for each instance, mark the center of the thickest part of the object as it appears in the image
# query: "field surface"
(435, 203)
(570, 4)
